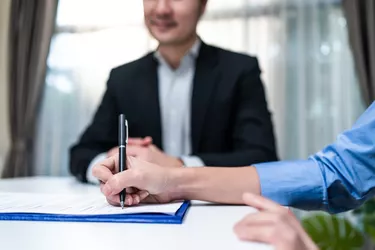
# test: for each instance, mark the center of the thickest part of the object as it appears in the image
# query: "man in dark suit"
(187, 104)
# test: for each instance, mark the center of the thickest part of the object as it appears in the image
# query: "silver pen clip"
(127, 134)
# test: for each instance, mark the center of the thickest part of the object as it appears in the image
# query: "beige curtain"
(360, 15)
(31, 28)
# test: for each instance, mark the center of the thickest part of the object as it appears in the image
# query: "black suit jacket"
(230, 121)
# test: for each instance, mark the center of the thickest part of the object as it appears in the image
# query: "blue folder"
(155, 218)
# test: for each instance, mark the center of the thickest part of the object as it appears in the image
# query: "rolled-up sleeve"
(339, 178)
(292, 183)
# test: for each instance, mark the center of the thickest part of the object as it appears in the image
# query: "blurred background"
(303, 49)
(306, 48)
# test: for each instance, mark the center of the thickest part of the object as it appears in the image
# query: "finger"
(263, 233)
(141, 196)
(133, 150)
(113, 152)
(147, 140)
(110, 163)
(136, 198)
(284, 223)
(261, 218)
(283, 218)
(130, 199)
(120, 181)
(115, 200)
(278, 213)
(102, 173)
(140, 141)
(137, 195)
(261, 203)
(136, 141)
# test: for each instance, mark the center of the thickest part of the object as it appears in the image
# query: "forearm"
(221, 185)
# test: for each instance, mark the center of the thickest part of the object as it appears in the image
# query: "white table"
(206, 226)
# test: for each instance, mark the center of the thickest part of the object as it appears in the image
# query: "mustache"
(164, 19)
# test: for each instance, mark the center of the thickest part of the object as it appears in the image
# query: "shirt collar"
(194, 51)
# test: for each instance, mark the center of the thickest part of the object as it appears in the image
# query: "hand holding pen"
(123, 141)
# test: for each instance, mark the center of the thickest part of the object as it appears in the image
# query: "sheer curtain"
(302, 47)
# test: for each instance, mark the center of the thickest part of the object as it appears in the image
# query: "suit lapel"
(206, 75)
(150, 101)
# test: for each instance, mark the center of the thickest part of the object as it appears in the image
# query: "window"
(302, 48)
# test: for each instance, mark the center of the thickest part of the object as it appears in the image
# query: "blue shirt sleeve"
(338, 178)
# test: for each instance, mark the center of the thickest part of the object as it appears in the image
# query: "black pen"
(123, 141)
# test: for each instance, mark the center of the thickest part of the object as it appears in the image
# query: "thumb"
(260, 203)
(122, 180)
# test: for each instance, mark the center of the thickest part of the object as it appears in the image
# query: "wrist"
(184, 183)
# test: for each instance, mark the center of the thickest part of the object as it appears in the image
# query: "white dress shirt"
(175, 94)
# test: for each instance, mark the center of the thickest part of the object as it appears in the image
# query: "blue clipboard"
(149, 218)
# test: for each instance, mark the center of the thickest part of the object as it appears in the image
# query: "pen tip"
(122, 204)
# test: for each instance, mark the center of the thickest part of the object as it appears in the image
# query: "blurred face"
(172, 21)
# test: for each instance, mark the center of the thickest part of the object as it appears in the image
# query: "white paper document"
(74, 205)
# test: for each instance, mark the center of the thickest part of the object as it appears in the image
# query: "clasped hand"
(143, 148)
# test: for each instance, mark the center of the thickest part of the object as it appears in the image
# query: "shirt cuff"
(297, 184)
(192, 161)
(89, 176)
